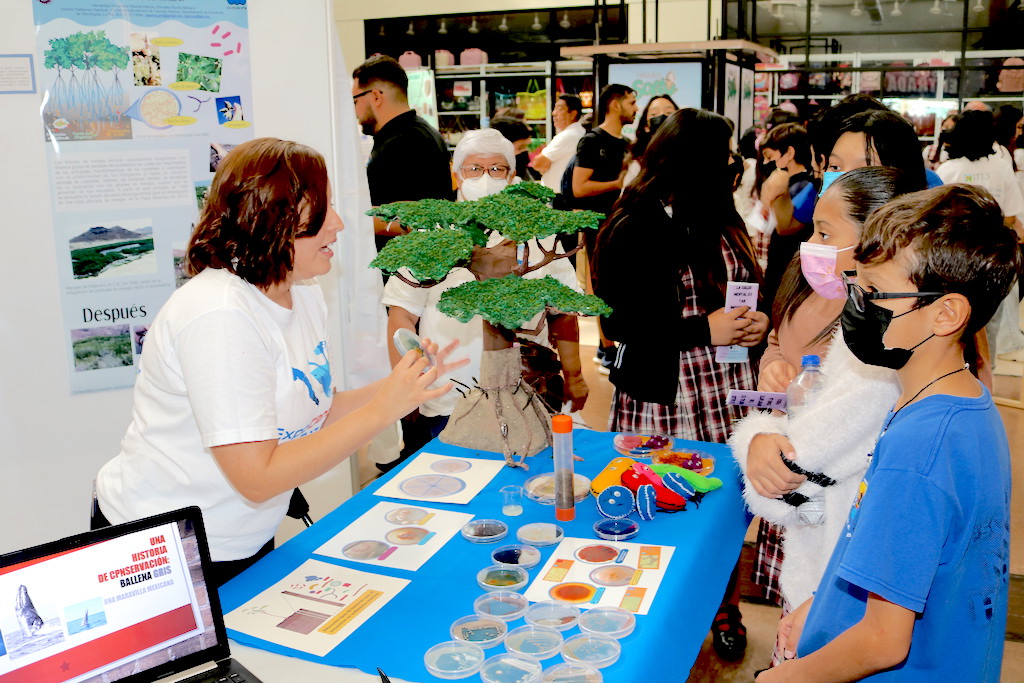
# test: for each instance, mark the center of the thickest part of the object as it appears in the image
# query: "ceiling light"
(935, 9)
(564, 23)
(381, 31)
(444, 27)
(856, 11)
(979, 7)
(473, 28)
(896, 11)
(411, 31)
(503, 26)
(536, 26)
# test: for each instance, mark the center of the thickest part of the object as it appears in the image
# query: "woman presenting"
(234, 405)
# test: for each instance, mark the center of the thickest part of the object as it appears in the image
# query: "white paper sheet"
(441, 478)
(315, 607)
(395, 535)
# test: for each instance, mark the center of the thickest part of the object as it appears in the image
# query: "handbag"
(533, 100)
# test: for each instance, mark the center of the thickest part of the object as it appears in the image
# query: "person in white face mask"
(484, 164)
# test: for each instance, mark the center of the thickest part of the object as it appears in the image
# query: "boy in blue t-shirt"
(916, 589)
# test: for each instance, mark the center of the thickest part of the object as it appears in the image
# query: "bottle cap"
(810, 359)
(561, 424)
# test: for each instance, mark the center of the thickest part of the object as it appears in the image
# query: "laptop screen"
(125, 603)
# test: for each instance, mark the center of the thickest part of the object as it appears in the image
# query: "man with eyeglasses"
(410, 159)
(484, 162)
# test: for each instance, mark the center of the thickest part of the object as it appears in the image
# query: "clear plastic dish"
(620, 529)
(641, 445)
(511, 668)
(541, 488)
(484, 530)
(502, 577)
(586, 648)
(504, 605)
(613, 622)
(519, 555)
(560, 616)
(540, 534)
(536, 641)
(484, 632)
(454, 659)
(572, 673)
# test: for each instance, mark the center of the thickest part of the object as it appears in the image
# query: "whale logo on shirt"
(320, 372)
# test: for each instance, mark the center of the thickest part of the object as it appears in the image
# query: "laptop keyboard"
(222, 675)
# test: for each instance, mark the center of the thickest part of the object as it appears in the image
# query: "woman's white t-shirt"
(993, 173)
(221, 364)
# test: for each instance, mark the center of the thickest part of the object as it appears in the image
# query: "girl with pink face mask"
(834, 436)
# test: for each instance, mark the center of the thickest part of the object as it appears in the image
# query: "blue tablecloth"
(662, 648)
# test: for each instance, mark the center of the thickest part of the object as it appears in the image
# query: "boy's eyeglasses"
(365, 92)
(859, 296)
(497, 171)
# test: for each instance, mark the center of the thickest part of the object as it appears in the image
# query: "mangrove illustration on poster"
(140, 101)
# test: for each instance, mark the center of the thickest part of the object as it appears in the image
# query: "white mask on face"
(484, 186)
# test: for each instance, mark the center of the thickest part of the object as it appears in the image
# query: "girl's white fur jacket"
(834, 436)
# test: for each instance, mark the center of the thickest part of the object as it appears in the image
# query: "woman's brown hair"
(265, 193)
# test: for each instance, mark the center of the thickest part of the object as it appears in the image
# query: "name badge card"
(737, 294)
(765, 400)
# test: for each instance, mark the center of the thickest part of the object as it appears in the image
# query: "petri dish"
(613, 575)
(484, 530)
(616, 529)
(613, 622)
(484, 632)
(454, 659)
(504, 605)
(511, 668)
(586, 648)
(520, 555)
(560, 616)
(641, 445)
(572, 673)
(502, 577)
(693, 460)
(536, 641)
(541, 488)
(540, 534)
(575, 592)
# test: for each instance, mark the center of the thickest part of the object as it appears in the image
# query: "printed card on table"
(315, 607)
(592, 572)
(441, 478)
(737, 294)
(395, 535)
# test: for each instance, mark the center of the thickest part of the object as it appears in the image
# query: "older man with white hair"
(484, 164)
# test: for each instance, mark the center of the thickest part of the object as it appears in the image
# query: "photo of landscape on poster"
(139, 102)
(315, 607)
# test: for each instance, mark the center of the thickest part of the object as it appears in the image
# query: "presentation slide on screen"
(72, 616)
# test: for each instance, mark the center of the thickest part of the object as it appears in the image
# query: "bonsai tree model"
(502, 413)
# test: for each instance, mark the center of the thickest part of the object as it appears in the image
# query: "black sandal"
(728, 635)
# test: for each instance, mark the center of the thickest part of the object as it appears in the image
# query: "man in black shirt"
(598, 172)
(409, 160)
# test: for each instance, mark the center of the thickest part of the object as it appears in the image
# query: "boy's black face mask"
(864, 332)
(655, 122)
(767, 168)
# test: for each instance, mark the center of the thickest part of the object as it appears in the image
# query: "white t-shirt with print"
(991, 172)
(221, 364)
(422, 303)
(559, 151)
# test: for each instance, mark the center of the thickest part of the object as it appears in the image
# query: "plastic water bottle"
(806, 386)
(802, 392)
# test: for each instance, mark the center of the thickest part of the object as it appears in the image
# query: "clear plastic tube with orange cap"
(565, 496)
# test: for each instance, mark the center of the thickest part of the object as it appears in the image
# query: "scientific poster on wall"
(682, 81)
(732, 97)
(141, 99)
(422, 96)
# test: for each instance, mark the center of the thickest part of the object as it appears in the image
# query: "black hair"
(955, 242)
(643, 136)
(572, 103)
(513, 129)
(973, 135)
(823, 129)
(382, 69)
(748, 143)
(863, 190)
(612, 93)
(701, 195)
(890, 140)
(777, 117)
(786, 135)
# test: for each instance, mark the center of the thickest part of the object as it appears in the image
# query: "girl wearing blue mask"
(832, 437)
